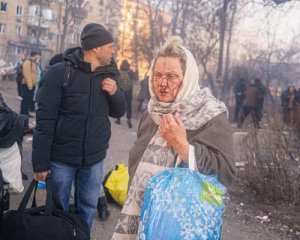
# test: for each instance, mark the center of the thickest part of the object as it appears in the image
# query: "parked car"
(7, 72)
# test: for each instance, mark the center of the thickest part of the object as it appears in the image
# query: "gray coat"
(213, 144)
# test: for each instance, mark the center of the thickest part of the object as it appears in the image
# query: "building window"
(51, 36)
(2, 49)
(18, 30)
(76, 37)
(101, 2)
(77, 22)
(19, 10)
(2, 28)
(3, 6)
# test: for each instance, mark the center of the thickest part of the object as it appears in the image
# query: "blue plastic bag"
(182, 204)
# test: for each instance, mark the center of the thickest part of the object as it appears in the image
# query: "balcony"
(78, 13)
(35, 21)
(44, 3)
(33, 40)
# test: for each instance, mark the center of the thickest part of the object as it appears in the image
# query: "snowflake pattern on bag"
(174, 207)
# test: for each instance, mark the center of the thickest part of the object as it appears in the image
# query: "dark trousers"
(128, 97)
(19, 85)
(238, 108)
(255, 114)
(27, 96)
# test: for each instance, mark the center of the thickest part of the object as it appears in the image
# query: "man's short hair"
(34, 53)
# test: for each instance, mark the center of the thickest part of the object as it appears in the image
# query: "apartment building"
(51, 26)
(40, 25)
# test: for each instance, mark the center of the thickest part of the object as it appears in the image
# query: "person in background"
(127, 77)
(253, 103)
(19, 74)
(263, 90)
(30, 75)
(289, 103)
(39, 77)
(239, 89)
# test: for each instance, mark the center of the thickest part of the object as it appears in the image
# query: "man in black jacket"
(73, 129)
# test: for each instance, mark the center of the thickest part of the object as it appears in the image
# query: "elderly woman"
(183, 121)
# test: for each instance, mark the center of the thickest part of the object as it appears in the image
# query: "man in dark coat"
(73, 129)
(127, 77)
(253, 103)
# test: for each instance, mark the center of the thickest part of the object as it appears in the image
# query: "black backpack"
(125, 81)
(46, 222)
(19, 72)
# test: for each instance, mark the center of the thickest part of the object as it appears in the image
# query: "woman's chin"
(166, 99)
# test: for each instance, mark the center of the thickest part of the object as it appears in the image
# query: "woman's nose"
(164, 82)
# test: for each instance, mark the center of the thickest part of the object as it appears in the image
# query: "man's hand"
(173, 131)
(41, 176)
(110, 86)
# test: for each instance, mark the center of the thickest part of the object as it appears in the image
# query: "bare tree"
(71, 8)
(151, 37)
(226, 83)
(223, 22)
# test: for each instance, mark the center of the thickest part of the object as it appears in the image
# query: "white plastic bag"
(10, 164)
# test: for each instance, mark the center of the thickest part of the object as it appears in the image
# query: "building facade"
(39, 25)
(51, 26)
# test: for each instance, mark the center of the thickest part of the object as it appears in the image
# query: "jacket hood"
(75, 56)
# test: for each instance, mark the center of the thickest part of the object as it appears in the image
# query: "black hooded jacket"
(12, 125)
(72, 124)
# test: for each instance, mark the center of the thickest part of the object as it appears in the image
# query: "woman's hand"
(173, 131)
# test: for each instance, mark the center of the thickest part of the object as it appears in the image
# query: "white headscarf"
(197, 106)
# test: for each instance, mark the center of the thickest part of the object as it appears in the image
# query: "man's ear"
(97, 49)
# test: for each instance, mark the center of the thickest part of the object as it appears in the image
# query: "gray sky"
(256, 21)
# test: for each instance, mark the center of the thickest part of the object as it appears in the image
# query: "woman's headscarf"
(196, 106)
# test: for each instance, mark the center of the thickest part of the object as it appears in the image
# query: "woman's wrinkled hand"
(173, 131)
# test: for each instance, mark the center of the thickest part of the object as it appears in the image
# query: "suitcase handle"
(50, 198)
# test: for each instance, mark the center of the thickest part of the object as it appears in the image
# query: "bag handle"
(191, 161)
(51, 196)
(27, 195)
(49, 189)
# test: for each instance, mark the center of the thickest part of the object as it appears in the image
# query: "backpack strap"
(68, 76)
